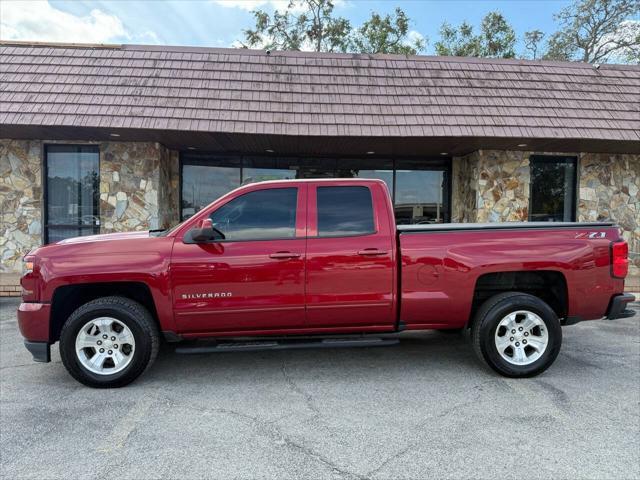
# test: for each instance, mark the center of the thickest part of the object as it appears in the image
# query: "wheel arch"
(548, 285)
(66, 299)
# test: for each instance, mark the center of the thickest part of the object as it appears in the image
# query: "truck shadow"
(432, 352)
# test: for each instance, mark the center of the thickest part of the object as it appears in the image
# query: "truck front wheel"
(516, 334)
(109, 342)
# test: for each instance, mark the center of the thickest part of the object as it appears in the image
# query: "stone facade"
(497, 187)
(138, 191)
(169, 189)
(129, 183)
(20, 206)
(464, 204)
(503, 186)
(610, 190)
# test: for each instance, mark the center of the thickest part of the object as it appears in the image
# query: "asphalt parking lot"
(424, 408)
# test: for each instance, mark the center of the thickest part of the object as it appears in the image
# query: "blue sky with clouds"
(220, 22)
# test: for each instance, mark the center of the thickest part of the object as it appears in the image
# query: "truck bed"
(441, 274)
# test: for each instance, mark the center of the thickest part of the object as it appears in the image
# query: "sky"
(219, 23)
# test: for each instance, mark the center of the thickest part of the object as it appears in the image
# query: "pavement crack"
(32, 364)
(277, 436)
(125, 427)
(308, 398)
(410, 446)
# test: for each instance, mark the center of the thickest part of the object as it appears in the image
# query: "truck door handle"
(284, 255)
(371, 252)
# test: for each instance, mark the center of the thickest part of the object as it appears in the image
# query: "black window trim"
(45, 191)
(555, 159)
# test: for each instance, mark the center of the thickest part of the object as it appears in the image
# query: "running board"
(287, 345)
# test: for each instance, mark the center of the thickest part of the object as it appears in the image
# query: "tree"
(388, 34)
(496, 39)
(304, 25)
(458, 42)
(597, 31)
(532, 40)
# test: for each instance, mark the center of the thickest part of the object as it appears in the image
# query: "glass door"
(72, 191)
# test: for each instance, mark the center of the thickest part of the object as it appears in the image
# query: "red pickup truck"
(316, 263)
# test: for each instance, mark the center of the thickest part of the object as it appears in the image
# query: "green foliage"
(592, 31)
(597, 31)
(311, 25)
(458, 42)
(496, 39)
(388, 34)
(532, 40)
(305, 24)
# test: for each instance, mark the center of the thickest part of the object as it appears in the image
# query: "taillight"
(619, 259)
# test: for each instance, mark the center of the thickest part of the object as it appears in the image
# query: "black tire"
(135, 317)
(487, 319)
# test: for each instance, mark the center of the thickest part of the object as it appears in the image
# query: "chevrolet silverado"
(316, 263)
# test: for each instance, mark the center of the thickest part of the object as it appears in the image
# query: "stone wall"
(129, 182)
(20, 206)
(464, 188)
(138, 191)
(168, 190)
(502, 191)
(610, 190)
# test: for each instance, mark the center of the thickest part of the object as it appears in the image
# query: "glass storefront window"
(261, 169)
(553, 189)
(203, 182)
(419, 187)
(378, 169)
(422, 192)
(72, 191)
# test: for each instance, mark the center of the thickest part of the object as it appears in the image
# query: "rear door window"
(344, 211)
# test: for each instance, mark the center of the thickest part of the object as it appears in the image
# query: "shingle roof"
(296, 93)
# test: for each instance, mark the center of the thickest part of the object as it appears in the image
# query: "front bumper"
(618, 306)
(33, 321)
(41, 351)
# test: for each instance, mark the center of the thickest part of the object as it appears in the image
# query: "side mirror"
(205, 232)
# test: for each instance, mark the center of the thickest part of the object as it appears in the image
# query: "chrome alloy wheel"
(521, 337)
(105, 346)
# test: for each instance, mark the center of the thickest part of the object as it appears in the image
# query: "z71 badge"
(591, 235)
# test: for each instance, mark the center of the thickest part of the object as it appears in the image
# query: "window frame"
(555, 159)
(96, 228)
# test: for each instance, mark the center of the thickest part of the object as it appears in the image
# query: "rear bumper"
(618, 306)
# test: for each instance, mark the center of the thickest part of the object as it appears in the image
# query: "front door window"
(72, 191)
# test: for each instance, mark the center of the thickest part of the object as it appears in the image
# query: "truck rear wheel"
(516, 334)
(109, 342)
